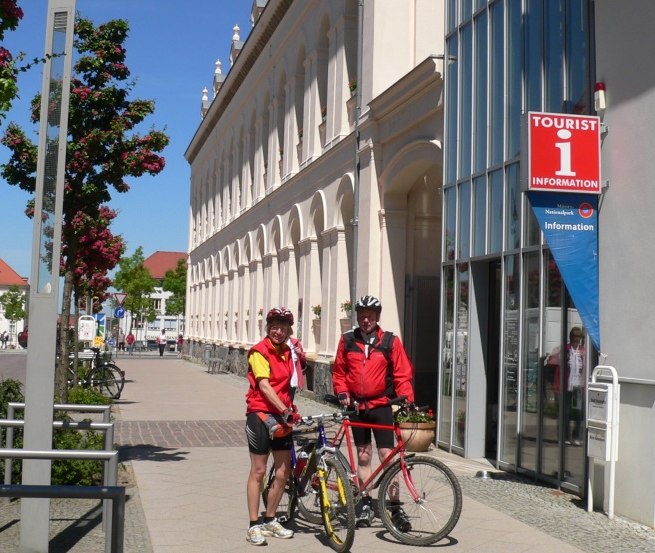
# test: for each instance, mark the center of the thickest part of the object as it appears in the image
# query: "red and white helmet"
(279, 314)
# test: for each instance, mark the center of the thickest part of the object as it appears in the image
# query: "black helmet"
(368, 302)
(280, 314)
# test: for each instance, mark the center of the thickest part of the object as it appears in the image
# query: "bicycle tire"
(108, 379)
(436, 512)
(286, 509)
(337, 504)
(119, 376)
(309, 502)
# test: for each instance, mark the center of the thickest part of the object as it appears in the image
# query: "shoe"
(400, 519)
(254, 535)
(274, 529)
(365, 517)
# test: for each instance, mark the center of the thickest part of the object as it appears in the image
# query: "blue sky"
(171, 53)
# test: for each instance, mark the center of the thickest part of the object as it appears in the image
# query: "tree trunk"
(61, 388)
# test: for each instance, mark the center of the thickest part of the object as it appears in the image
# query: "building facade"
(415, 194)
(8, 279)
(298, 196)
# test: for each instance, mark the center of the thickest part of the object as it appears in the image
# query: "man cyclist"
(370, 372)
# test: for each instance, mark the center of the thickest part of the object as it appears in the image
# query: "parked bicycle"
(103, 375)
(319, 485)
(419, 497)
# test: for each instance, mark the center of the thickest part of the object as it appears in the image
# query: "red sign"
(563, 153)
(120, 298)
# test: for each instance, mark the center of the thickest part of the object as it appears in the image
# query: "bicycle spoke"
(423, 507)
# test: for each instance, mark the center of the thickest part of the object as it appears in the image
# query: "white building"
(9, 278)
(158, 264)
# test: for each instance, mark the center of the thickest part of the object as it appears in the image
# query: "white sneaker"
(254, 535)
(274, 529)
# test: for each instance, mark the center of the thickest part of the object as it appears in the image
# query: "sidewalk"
(182, 430)
(180, 433)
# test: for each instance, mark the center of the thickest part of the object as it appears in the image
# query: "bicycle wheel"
(109, 380)
(434, 513)
(309, 497)
(337, 504)
(286, 509)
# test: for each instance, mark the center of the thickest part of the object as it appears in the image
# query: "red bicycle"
(419, 497)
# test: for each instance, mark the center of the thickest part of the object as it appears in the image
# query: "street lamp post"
(46, 253)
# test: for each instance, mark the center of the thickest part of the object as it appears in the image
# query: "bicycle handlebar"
(310, 420)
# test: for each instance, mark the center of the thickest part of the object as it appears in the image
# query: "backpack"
(383, 346)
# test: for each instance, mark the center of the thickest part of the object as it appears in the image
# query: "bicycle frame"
(372, 481)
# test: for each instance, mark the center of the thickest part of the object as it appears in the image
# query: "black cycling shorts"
(377, 415)
(259, 441)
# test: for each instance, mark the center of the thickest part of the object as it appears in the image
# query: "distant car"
(22, 338)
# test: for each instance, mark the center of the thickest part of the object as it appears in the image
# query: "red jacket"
(364, 378)
(280, 378)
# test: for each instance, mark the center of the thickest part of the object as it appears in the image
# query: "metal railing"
(113, 528)
(14, 406)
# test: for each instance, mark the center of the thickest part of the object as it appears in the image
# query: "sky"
(172, 49)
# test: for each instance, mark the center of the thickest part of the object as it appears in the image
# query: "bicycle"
(319, 485)
(427, 507)
(107, 377)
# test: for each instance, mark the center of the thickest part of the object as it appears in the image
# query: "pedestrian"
(269, 412)
(161, 343)
(574, 380)
(4, 338)
(370, 367)
(129, 340)
(180, 343)
(299, 362)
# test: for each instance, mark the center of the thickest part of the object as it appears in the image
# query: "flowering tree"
(10, 15)
(103, 148)
(175, 282)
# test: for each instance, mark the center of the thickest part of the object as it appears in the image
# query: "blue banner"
(570, 225)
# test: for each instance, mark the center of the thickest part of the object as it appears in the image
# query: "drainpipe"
(358, 110)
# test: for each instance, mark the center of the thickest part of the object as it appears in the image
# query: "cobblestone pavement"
(76, 527)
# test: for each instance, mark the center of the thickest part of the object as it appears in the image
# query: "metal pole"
(46, 254)
(358, 111)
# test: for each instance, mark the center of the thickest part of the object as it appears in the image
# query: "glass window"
(510, 358)
(514, 49)
(513, 215)
(533, 34)
(553, 57)
(450, 204)
(577, 54)
(481, 95)
(532, 230)
(447, 342)
(464, 236)
(451, 14)
(467, 6)
(496, 211)
(497, 92)
(465, 86)
(479, 215)
(461, 353)
(530, 362)
(451, 112)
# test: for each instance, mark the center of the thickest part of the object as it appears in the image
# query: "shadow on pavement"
(145, 452)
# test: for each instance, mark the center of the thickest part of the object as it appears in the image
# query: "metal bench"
(216, 363)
